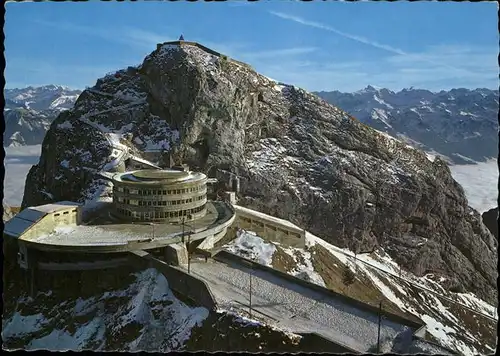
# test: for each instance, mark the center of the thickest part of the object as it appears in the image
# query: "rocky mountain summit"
(297, 157)
(460, 124)
(29, 112)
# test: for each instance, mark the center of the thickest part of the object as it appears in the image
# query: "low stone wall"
(225, 255)
(180, 281)
(268, 227)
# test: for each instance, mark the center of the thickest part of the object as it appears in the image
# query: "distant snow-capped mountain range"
(29, 112)
(460, 125)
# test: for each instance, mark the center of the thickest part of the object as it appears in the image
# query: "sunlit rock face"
(297, 157)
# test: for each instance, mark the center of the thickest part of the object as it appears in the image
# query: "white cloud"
(34, 71)
(273, 54)
(459, 70)
(131, 36)
(322, 26)
(435, 68)
(394, 72)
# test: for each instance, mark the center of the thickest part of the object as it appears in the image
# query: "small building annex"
(39, 220)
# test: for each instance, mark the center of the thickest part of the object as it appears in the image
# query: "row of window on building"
(161, 192)
(159, 214)
(159, 202)
(65, 213)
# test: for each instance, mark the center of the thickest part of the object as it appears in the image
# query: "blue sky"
(317, 46)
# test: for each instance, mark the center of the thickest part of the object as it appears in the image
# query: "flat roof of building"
(156, 176)
(109, 235)
(28, 217)
(53, 207)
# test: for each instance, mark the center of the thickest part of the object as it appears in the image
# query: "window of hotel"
(149, 203)
(174, 202)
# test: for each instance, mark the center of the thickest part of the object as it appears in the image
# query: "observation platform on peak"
(203, 48)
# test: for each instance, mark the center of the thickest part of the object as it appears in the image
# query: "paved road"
(293, 307)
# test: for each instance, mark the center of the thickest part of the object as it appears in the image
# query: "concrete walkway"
(292, 307)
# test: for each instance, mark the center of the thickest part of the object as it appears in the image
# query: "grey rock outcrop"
(490, 220)
(7, 213)
(296, 156)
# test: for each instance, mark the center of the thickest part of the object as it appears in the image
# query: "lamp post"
(250, 302)
(183, 225)
(379, 322)
(188, 246)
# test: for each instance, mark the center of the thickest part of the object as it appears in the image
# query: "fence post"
(379, 322)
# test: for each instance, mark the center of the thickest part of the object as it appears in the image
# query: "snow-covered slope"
(30, 111)
(144, 315)
(459, 124)
(123, 310)
(459, 321)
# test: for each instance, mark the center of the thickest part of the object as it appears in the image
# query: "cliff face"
(490, 220)
(297, 158)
